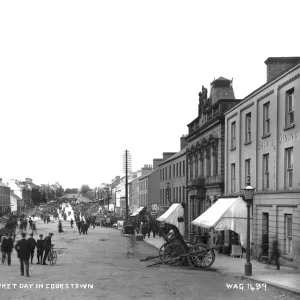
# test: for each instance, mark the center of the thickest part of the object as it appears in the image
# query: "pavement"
(285, 278)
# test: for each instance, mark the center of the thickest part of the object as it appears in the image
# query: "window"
(180, 169)
(288, 234)
(176, 193)
(233, 178)
(290, 107)
(266, 112)
(179, 194)
(183, 168)
(183, 193)
(163, 173)
(289, 167)
(233, 135)
(247, 172)
(201, 168)
(265, 171)
(166, 173)
(196, 168)
(170, 171)
(176, 169)
(215, 164)
(163, 196)
(248, 128)
(208, 162)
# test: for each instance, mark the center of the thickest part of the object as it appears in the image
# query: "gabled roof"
(178, 154)
(147, 175)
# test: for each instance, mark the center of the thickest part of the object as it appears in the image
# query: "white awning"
(226, 214)
(171, 216)
(137, 211)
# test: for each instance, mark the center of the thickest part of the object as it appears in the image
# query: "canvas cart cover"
(226, 214)
(171, 216)
(137, 211)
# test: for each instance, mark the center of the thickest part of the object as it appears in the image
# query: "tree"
(84, 189)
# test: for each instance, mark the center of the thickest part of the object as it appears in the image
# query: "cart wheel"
(174, 251)
(200, 256)
(190, 244)
(161, 251)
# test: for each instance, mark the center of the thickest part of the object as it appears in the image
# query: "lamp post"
(248, 193)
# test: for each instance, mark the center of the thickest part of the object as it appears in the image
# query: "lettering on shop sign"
(266, 144)
(284, 138)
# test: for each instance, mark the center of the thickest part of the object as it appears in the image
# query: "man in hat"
(47, 247)
(40, 249)
(23, 248)
(32, 243)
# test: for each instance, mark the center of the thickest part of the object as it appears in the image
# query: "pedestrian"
(23, 249)
(47, 247)
(44, 220)
(276, 253)
(32, 243)
(30, 223)
(40, 249)
(79, 224)
(60, 227)
(6, 248)
(72, 223)
(34, 228)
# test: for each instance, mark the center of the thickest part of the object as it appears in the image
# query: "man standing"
(40, 249)
(47, 247)
(32, 243)
(6, 248)
(23, 249)
(71, 223)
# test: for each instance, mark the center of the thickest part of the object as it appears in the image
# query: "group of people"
(25, 249)
(81, 225)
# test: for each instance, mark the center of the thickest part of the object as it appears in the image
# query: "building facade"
(205, 153)
(5, 205)
(172, 173)
(262, 138)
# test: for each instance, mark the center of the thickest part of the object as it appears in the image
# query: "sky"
(82, 81)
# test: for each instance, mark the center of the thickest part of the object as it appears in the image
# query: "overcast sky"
(81, 81)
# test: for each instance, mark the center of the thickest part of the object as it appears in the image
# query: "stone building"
(205, 152)
(262, 141)
(5, 205)
(172, 177)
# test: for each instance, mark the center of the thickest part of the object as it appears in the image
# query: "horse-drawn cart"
(177, 251)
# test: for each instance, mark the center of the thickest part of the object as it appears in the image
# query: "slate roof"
(178, 154)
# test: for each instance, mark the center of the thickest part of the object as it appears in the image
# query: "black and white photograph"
(148, 150)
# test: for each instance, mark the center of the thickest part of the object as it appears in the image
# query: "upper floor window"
(233, 178)
(289, 167)
(265, 171)
(247, 172)
(174, 170)
(290, 107)
(248, 128)
(183, 168)
(166, 174)
(180, 169)
(266, 112)
(170, 171)
(233, 135)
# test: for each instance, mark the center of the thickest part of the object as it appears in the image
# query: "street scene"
(149, 150)
(96, 266)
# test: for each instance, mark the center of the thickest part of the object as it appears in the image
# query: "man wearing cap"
(23, 249)
(40, 249)
(47, 247)
(32, 243)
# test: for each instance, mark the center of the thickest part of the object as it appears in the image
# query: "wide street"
(99, 259)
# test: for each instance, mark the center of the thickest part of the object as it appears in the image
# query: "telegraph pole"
(126, 168)
(126, 184)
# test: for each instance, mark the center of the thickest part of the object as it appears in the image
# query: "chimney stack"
(167, 155)
(278, 65)
(183, 142)
(156, 162)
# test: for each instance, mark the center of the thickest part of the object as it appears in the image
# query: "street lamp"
(248, 193)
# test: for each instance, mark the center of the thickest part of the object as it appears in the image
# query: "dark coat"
(23, 248)
(47, 242)
(7, 245)
(32, 242)
(40, 244)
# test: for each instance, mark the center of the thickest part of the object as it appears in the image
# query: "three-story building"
(262, 140)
